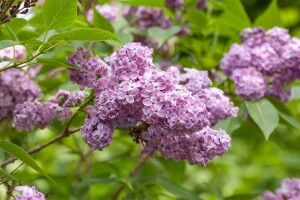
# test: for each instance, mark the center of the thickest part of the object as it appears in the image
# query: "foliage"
(265, 134)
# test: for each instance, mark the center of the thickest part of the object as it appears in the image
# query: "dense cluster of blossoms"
(16, 87)
(29, 193)
(289, 190)
(10, 10)
(110, 11)
(34, 113)
(164, 110)
(263, 63)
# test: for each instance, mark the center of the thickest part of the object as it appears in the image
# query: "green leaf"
(27, 35)
(150, 3)
(264, 114)
(229, 125)
(58, 63)
(177, 190)
(46, 35)
(161, 35)
(8, 175)
(83, 186)
(285, 113)
(11, 32)
(271, 17)
(289, 119)
(59, 14)
(173, 170)
(242, 197)
(7, 43)
(85, 34)
(103, 179)
(17, 24)
(235, 16)
(101, 22)
(19, 153)
(2, 156)
(197, 19)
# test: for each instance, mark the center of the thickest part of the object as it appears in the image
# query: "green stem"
(30, 59)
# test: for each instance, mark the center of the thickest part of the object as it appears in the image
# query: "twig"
(42, 146)
(132, 173)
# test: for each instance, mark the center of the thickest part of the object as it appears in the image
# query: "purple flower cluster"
(93, 67)
(217, 104)
(263, 63)
(64, 101)
(29, 193)
(31, 113)
(15, 87)
(34, 113)
(157, 106)
(289, 190)
(97, 133)
(109, 11)
(197, 148)
(144, 17)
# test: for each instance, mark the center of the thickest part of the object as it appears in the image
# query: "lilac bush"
(83, 124)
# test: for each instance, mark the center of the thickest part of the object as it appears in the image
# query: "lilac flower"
(29, 193)
(198, 148)
(31, 113)
(195, 80)
(68, 99)
(9, 10)
(131, 61)
(218, 105)
(253, 37)
(239, 56)
(289, 190)
(94, 68)
(16, 87)
(109, 11)
(146, 17)
(95, 132)
(176, 4)
(65, 100)
(272, 56)
(202, 4)
(163, 109)
(250, 84)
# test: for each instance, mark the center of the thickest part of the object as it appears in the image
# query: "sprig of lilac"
(149, 102)
(263, 64)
